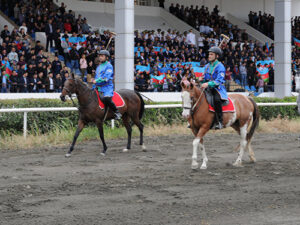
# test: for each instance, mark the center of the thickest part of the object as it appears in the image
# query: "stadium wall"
(238, 8)
(4, 21)
(154, 96)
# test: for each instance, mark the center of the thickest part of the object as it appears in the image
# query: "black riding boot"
(113, 107)
(219, 121)
(218, 110)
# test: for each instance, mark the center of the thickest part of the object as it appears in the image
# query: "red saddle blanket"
(226, 108)
(117, 99)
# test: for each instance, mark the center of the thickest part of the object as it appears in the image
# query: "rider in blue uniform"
(214, 78)
(104, 82)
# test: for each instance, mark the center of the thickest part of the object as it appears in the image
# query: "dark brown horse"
(244, 120)
(89, 110)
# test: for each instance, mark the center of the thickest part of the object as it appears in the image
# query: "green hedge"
(45, 121)
(270, 112)
(42, 121)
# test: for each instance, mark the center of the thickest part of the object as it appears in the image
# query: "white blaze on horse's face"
(186, 104)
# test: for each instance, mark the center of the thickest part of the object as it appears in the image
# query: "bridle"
(193, 107)
(70, 93)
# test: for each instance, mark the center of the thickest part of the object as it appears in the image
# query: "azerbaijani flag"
(143, 68)
(8, 67)
(297, 42)
(264, 73)
(267, 47)
(76, 40)
(163, 70)
(158, 79)
(265, 62)
(199, 71)
(157, 49)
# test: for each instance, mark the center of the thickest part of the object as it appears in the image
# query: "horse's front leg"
(198, 141)
(101, 134)
(204, 156)
(195, 153)
(80, 126)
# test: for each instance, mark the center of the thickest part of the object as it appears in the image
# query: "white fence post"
(25, 125)
(112, 124)
(64, 109)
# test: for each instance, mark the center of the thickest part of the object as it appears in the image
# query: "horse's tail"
(142, 109)
(255, 121)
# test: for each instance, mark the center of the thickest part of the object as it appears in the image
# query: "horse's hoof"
(68, 155)
(103, 154)
(203, 167)
(194, 166)
(125, 150)
(144, 148)
(237, 164)
(252, 159)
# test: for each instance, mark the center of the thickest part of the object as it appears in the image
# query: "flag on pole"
(264, 73)
(199, 71)
(297, 42)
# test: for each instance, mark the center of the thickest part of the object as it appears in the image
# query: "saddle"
(117, 99)
(227, 106)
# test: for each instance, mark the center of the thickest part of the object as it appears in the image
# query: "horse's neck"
(197, 93)
(83, 94)
(198, 96)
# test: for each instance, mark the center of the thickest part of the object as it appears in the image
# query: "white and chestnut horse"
(244, 120)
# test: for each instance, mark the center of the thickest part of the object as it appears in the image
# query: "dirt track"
(40, 186)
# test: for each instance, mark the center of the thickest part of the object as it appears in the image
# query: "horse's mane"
(84, 88)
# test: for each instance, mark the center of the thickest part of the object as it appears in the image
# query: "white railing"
(64, 109)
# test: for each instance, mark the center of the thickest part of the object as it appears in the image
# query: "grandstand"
(168, 43)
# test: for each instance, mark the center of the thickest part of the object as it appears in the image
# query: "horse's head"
(70, 87)
(187, 96)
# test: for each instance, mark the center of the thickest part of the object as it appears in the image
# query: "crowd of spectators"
(44, 16)
(210, 24)
(262, 22)
(239, 59)
(25, 68)
(265, 23)
(30, 71)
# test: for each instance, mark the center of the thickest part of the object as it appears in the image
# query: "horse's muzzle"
(185, 114)
(63, 98)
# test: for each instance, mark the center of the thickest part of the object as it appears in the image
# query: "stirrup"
(219, 126)
(118, 115)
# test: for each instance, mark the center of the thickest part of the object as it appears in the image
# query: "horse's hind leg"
(251, 153)
(79, 129)
(139, 124)
(243, 145)
(127, 124)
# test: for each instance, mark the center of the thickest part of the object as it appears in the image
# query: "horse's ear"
(192, 85)
(73, 76)
(182, 84)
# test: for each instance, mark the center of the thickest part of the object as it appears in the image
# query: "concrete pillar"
(282, 48)
(124, 44)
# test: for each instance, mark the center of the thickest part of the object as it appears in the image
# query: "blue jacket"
(216, 78)
(104, 79)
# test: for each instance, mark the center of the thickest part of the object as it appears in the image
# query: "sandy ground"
(41, 186)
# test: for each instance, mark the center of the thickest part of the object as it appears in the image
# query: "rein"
(70, 96)
(70, 93)
(196, 103)
(192, 109)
